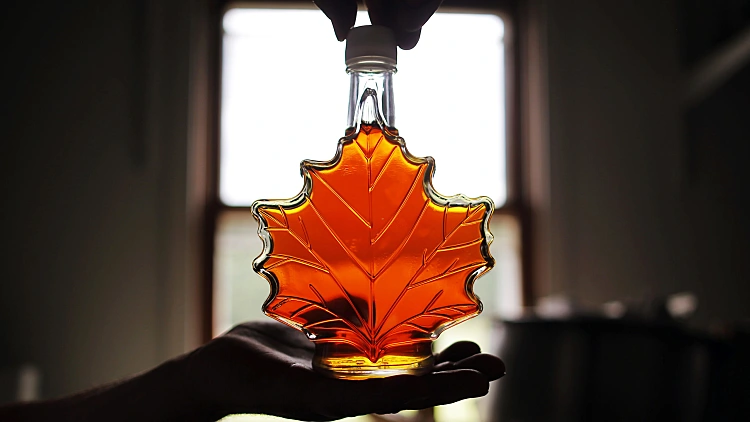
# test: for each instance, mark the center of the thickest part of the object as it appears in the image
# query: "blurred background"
(613, 136)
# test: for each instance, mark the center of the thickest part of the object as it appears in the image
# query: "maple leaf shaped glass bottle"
(368, 260)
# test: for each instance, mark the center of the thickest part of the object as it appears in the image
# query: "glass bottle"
(368, 260)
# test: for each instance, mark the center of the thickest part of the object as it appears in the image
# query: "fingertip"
(408, 40)
(341, 32)
(342, 14)
(490, 366)
(501, 370)
(458, 351)
(413, 15)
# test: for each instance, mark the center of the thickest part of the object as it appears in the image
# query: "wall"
(93, 177)
(627, 217)
(718, 198)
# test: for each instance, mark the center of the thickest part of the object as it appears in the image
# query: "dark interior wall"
(645, 196)
(717, 197)
(717, 140)
(615, 150)
(89, 181)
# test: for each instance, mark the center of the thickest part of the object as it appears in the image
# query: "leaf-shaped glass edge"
(392, 136)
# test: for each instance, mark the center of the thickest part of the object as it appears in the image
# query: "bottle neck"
(371, 96)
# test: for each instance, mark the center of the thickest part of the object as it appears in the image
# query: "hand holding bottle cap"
(404, 17)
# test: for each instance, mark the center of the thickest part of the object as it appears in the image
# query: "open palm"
(266, 367)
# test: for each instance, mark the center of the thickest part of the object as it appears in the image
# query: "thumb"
(342, 13)
(405, 17)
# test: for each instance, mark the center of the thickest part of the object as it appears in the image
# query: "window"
(284, 97)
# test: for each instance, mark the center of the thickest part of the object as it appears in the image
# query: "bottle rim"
(371, 64)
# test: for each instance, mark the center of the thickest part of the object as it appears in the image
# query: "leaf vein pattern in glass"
(388, 225)
(343, 201)
(346, 249)
(375, 259)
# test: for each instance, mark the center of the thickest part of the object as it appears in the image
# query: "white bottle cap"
(371, 43)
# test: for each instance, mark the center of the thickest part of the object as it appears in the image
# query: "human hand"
(265, 367)
(404, 17)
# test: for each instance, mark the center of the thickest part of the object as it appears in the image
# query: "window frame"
(516, 204)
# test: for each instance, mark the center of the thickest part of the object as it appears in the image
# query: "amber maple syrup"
(370, 262)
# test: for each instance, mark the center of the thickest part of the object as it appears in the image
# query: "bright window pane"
(285, 92)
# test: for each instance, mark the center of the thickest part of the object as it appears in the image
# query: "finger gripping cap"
(371, 43)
